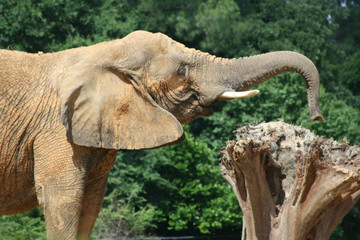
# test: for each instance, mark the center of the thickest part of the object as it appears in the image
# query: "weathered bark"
(290, 184)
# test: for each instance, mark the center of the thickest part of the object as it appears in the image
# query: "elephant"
(64, 115)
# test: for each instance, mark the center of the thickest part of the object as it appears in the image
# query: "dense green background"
(178, 190)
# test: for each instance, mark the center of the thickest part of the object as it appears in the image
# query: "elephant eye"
(182, 71)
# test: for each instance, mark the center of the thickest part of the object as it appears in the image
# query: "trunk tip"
(316, 117)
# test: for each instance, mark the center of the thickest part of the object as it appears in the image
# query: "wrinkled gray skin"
(64, 115)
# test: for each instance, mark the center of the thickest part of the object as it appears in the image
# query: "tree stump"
(290, 184)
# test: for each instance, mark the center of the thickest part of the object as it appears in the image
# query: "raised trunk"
(245, 73)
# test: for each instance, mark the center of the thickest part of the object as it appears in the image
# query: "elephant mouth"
(192, 110)
(204, 112)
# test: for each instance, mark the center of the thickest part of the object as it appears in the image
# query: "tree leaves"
(23, 226)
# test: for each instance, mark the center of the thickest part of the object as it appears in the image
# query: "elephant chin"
(208, 111)
(204, 112)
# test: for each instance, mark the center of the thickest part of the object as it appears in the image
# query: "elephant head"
(135, 93)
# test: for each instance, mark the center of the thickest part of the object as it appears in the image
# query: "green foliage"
(125, 212)
(350, 74)
(125, 217)
(46, 25)
(23, 226)
(342, 120)
(198, 199)
(113, 19)
(211, 18)
(178, 190)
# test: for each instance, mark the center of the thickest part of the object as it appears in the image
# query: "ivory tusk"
(232, 95)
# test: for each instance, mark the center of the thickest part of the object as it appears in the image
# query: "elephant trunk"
(259, 68)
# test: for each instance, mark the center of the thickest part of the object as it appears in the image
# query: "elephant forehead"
(162, 66)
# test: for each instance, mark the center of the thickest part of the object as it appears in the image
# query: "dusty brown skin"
(64, 115)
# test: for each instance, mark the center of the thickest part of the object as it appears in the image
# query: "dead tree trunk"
(290, 184)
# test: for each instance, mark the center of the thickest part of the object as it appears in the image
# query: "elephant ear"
(105, 107)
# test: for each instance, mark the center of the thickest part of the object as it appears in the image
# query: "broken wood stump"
(290, 184)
